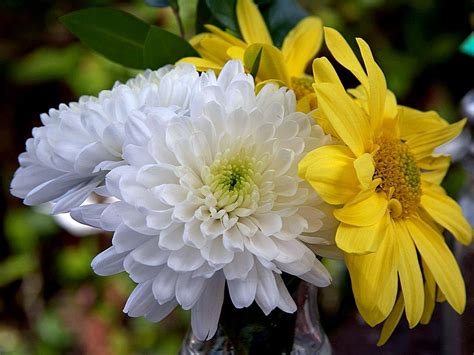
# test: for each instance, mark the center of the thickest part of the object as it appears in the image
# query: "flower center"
(302, 86)
(400, 175)
(231, 175)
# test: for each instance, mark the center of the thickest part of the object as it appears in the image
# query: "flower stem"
(178, 19)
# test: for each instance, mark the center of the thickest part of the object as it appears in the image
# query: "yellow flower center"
(302, 86)
(400, 175)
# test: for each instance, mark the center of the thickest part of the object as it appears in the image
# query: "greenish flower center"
(396, 166)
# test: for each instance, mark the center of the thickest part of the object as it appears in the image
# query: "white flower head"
(68, 157)
(210, 197)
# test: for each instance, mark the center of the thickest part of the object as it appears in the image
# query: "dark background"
(52, 303)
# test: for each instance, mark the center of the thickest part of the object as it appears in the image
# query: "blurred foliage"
(51, 302)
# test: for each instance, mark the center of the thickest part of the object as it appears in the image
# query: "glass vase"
(249, 331)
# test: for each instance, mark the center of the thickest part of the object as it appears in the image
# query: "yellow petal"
(272, 66)
(446, 212)
(343, 53)
(217, 47)
(423, 144)
(377, 86)
(202, 64)
(392, 321)
(330, 171)
(261, 84)
(365, 168)
(362, 240)
(440, 261)
(430, 295)
(346, 117)
(251, 23)
(414, 122)
(409, 272)
(236, 52)
(307, 103)
(434, 168)
(363, 213)
(226, 36)
(324, 72)
(374, 280)
(301, 44)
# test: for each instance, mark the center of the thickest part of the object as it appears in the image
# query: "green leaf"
(163, 47)
(281, 16)
(256, 63)
(224, 12)
(115, 34)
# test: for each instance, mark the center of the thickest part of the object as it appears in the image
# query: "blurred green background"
(50, 301)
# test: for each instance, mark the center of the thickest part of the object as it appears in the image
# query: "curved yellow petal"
(363, 213)
(374, 280)
(330, 171)
(430, 294)
(324, 72)
(365, 168)
(440, 261)
(343, 53)
(415, 122)
(251, 23)
(409, 272)
(216, 47)
(446, 212)
(434, 168)
(346, 117)
(272, 66)
(226, 36)
(392, 321)
(202, 64)
(301, 44)
(377, 86)
(362, 240)
(423, 144)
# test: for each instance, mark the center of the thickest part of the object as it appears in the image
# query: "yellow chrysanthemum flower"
(286, 66)
(385, 178)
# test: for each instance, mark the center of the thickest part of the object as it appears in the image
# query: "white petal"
(189, 289)
(285, 301)
(109, 262)
(89, 214)
(192, 234)
(318, 275)
(205, 313)
(150, 254)
(267, 295)
(185, 259)
(242, 291)
(141, 300)
(290, 251)
(262, 246)
(239, 267)
(233, 239)
(125, 239)
(139, 272)
(215, 253)
(164, 285)
(171, 238)
(161, 311)
(269, 223)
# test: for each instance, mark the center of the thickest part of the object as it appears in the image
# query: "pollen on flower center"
(400, 175)
(302, 86)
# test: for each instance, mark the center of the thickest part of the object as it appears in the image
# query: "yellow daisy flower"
(385, 179)
(286, 66)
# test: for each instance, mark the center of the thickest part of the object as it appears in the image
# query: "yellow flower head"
(285, 66)
(385, 180)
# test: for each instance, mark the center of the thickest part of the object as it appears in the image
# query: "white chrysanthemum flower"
(211, 196)
(68, 157)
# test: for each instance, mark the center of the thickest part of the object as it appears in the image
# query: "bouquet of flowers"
(224, 170)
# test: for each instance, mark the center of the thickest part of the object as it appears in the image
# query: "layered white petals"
(210, 195)
(68, 157)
